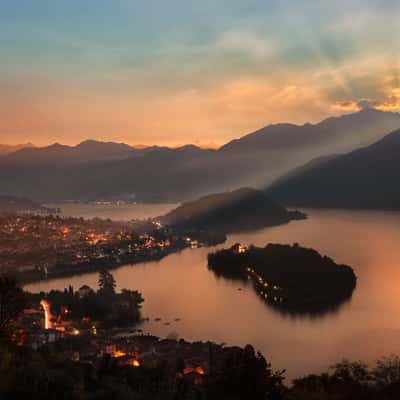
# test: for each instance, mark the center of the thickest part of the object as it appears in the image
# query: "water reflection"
(290, 314)
(367, 327)
(311, 315)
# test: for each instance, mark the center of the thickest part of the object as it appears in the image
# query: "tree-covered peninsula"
(292, 279)
(239, 210)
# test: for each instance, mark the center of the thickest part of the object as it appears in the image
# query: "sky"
(171, 72)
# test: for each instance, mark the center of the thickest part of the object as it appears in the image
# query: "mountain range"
(365, 178)
(341, 134)
(9, 148)
(89, 150)
(98, 170)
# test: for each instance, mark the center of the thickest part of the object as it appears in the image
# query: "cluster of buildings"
(191, 362)
(184, 358)
(33, 246)
(35, 329)
(32, 241)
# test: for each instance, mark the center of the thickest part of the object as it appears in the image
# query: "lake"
(367, 327)
(120, 212)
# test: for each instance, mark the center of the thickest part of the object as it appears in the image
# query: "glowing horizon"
(189, 72)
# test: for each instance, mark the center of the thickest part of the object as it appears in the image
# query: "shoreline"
(210, 239)
(64, 271)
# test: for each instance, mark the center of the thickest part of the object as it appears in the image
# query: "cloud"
(366, 104)
(390, 103)
(227, 46)
(346, 106)
(201, 87)
(245, 42)
(351, 106)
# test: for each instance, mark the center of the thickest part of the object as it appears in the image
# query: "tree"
(126, 306)
(12, 302)
(106, 283)
(246, 375)
(387, 371)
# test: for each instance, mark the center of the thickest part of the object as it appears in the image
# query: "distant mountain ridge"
(9, 148)
(96, 170)
(364, 178)
(88, 150)
(343, 133)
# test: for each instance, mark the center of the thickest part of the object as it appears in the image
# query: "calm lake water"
(367, 327)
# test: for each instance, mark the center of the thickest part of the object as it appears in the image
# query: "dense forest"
(292, 279)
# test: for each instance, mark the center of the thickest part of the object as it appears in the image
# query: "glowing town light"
(136, 363)
(65, 230)
(119, 353)
(242, 249)
(47, 314)
(200, 370)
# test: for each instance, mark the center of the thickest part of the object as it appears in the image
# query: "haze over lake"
(181, 286)
(120, 212)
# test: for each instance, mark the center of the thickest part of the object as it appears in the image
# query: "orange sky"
(190, 73)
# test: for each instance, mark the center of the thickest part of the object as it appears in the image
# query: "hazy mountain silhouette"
(89, 150)
(341, 133)
(95, 170)
(315, 162)
(234, 211)
(261, 157)
(151, 174)
(9, 148)
(365, 178)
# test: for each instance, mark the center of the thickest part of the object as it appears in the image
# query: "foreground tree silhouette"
(107, 283)
(12, 302)
(352, 381)
(246, 375)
